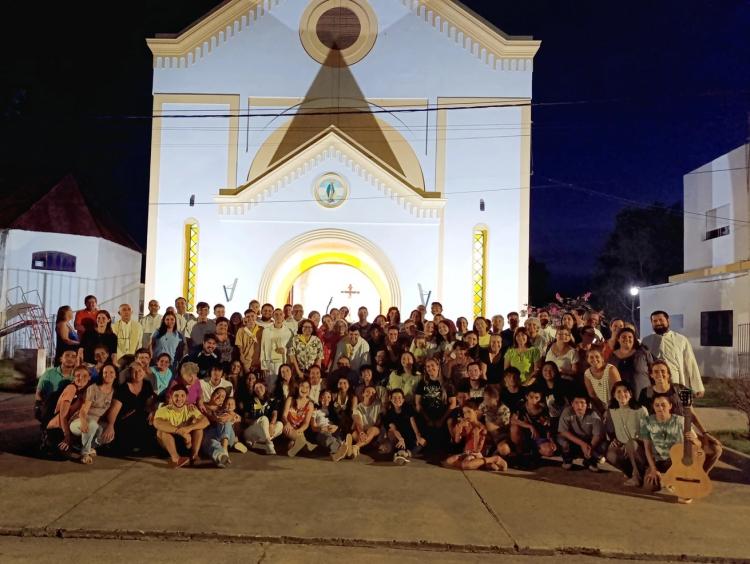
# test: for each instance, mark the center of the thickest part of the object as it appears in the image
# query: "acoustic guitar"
(686, 476)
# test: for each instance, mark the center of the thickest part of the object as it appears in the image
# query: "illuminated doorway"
(325, 286)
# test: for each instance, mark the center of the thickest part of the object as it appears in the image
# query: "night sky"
(635, 94)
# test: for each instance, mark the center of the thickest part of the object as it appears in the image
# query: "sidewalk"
(366, 504)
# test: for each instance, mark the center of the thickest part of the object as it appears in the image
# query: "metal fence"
(743, 350)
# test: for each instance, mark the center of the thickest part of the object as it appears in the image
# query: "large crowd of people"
(479, 396)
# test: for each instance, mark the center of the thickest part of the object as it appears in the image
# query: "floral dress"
(306, 353)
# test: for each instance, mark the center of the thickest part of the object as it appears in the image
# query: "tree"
(644, 248)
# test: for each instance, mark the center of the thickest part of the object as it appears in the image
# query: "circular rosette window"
(338, 32)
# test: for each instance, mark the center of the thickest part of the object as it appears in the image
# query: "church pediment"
(452, 19)
(310, 158)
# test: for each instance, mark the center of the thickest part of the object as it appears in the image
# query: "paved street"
(311, 506)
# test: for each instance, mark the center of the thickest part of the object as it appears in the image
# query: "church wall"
(489, 166)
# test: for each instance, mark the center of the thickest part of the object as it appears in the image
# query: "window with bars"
(191, 263)
(479, 271)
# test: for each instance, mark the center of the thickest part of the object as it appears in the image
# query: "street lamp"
(634, 291)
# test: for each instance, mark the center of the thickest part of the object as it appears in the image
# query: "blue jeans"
(212, 437)
(90, 439)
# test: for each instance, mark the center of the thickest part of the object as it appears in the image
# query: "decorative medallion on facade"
(331, 190)
(347, 27)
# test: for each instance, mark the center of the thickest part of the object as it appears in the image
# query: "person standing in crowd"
(508, 333)
(182, 314)
(150, 322)
(168, 340)
(200, 327)
(85, 319)
(66, 335)
(498, 323)
(100, 334)
(355, 348)
(276, 340)
(305, 350)
(631, 360)
(548, 328)
(673, 348)
(129, 332)
(362, 324)
(523, 356)
(249, 342)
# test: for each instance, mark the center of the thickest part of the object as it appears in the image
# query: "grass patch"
(716, 394)
(738, 440)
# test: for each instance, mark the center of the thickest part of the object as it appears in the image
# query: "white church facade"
(341, 152)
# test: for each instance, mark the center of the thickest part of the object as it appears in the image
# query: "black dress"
(131, 427)
(93, 339)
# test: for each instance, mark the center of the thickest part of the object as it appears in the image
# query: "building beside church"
(710, 302)
(337, 152)
(56, 249)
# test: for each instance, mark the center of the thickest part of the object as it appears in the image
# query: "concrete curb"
(180, 536)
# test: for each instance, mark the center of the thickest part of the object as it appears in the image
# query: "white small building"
(341, 152)
(710, 302)
(56, 248)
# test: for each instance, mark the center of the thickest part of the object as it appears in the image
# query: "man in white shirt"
(215, 380)
(293, 321)
(150, 322)
(315, 377)
(129, 333)
(355, 348)
(276, 341)
(182, 314)
(676, 351)
(266, 316)
(593, 319)
(548, 328)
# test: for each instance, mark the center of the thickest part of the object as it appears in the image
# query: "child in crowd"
(162, 375)
(366, 420)
(496, 418)
(512, 395)
(402, 433)
(327, 434)
(472, 435)
(531, 427)
(581, 433)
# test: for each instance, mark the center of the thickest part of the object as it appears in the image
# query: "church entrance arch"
(303, 253)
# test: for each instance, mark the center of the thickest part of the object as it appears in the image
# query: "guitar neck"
(687, 456)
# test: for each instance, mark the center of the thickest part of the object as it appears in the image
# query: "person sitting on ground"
(296, 416)
(472, 435)
(405, 379)
(512, 395)
(219, 436)
(315, 378)
(402, 432)
(662, 385)
(188, 377)
(97, 402)
(283, 384)
(58, 437)
(101, 357)
(599, 379)
(215, 380)
(624, 421)
(555, 390)
(179, 425)
(328, 434)
(496, 418)
(580, 433)
(262, 419)
(366, 418)
(531, 428)
(660, 432)
(434, 400)
(366, 379)
(128, 420)
(344, 403)
(51, 383)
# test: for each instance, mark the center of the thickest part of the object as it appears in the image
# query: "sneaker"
(401, 458)
(602, 460)
(270, 449)
(634, 482)
(567, 465)
(685, 500)
(593, 467)
(222, 460)
(239, 447)
(340, 452)
(296, 446)
(353, 452)
(310, 446)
